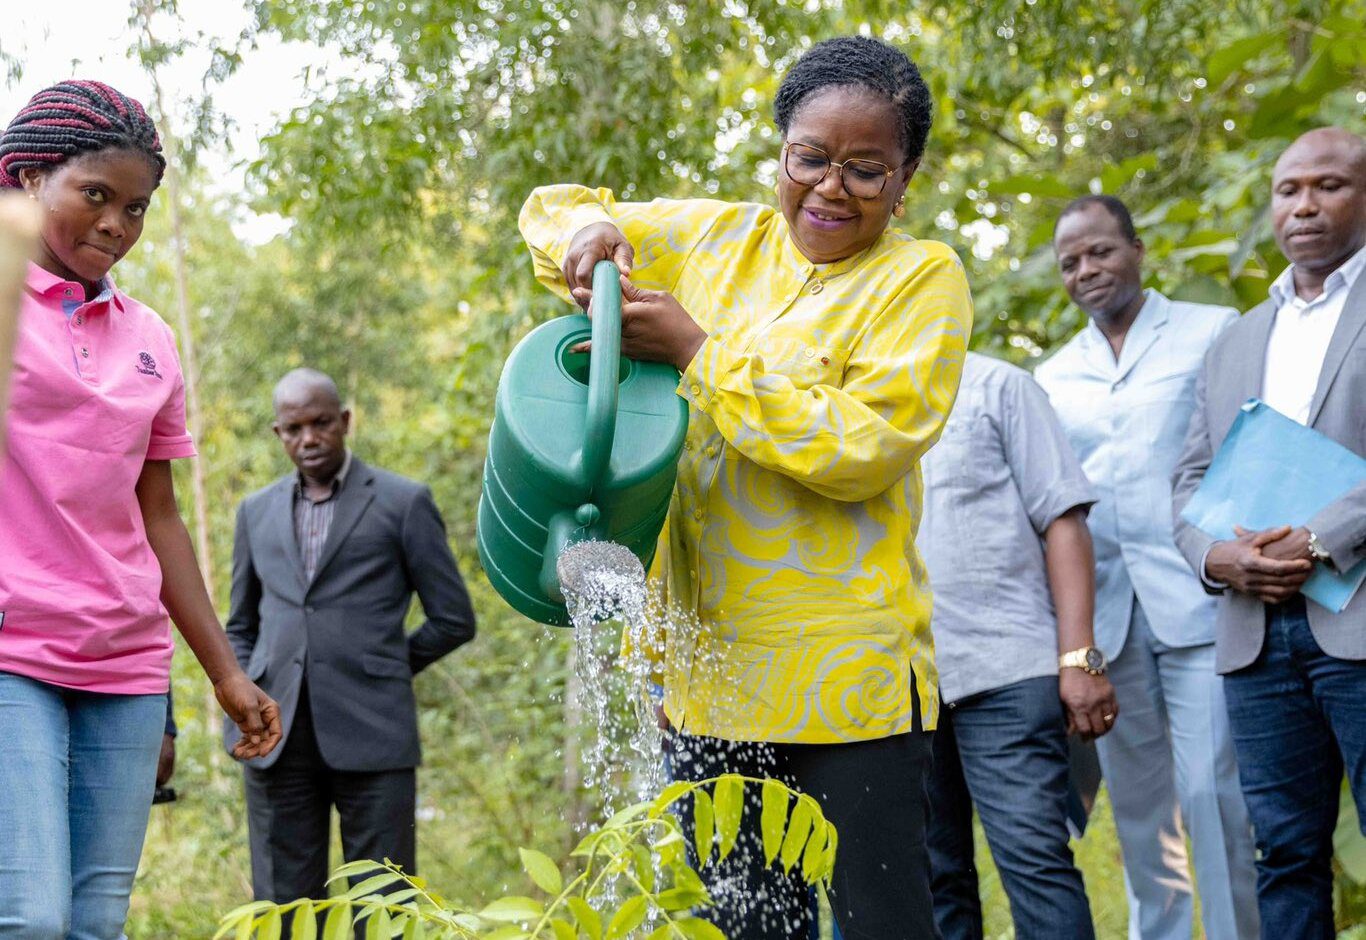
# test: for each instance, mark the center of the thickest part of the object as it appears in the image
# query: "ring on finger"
(1107, 718)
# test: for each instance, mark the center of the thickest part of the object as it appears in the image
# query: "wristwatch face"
(1095, 659)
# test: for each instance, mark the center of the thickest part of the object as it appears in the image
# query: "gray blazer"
(1232, 374)
(345, 627)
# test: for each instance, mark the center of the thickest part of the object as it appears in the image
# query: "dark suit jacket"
(345, 627)
(1232, 374)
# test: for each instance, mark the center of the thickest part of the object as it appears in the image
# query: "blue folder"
(1272, 471)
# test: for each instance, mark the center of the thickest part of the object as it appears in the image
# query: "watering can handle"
(604, 366)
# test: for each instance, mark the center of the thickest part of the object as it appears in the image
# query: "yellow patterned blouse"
(791, 535)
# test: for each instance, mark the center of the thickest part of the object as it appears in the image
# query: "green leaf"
(703, 829)
(798, 828)
(513, 909)
(694, 928)
(1115, 177)
(304, 926)
(728, 800)
(1228, 59)
(832, 839)
(1036, 184)
(510, 932)
(773, 818)
(627, 815)
(589, 920)
(353, 868)
(563, 929)
(415, 929)
(542, 870)
(245, 910)
(338, 923)
(379, 925)
(644, 866)
(680, 899)
(815, 848)
(244, 928)
(372, 885)
(668, 796)
(630, 916)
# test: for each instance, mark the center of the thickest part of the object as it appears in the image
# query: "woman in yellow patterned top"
(820, 354)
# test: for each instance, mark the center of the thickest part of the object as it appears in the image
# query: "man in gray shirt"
(1004, 537)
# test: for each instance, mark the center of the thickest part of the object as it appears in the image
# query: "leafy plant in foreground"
(632, 878)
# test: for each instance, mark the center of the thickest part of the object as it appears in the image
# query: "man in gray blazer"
(1294, 672)
(325, 563)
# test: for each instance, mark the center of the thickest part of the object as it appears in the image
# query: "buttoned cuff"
(699, 382)
(1210, 585)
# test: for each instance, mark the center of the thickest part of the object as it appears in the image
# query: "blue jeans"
(1005, 751)
(77, 771)
(1297, 719)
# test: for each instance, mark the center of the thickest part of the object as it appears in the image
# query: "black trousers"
(873, 792)
(289, 808)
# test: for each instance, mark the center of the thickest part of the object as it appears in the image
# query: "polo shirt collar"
(44, 283)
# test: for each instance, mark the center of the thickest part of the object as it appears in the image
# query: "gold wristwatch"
(1088, 659)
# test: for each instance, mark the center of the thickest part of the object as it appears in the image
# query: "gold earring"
(899, 209)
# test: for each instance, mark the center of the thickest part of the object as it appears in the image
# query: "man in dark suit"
(325, 563)
(1294, 672)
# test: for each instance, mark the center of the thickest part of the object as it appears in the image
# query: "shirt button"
(817, 287)
(697, 514)
(687, 445)
(80, 320)
(692, 573)
(810, 353)
(695, 389)
(67, 292)
(711, 451)
(85, 353)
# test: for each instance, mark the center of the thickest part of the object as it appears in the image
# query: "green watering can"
(582, 447)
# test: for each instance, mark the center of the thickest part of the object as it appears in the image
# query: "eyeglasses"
(807, 166)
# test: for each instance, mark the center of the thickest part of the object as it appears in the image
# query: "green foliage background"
(403, 275)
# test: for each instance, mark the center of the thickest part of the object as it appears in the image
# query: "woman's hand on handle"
(253, 711)
(655, 327)
(601, 241)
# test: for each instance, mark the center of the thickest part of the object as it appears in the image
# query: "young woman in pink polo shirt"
(93, 552)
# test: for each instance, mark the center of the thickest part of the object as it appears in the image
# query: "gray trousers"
(1170, 770)
(289, 811)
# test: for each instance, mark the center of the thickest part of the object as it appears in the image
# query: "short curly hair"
(71, 118)
(861, 62)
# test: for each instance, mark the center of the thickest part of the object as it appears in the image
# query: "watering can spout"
(565, 529)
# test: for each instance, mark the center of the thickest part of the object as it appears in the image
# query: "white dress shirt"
(1300, 335)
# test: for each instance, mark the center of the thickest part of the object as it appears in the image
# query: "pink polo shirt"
(96, 392)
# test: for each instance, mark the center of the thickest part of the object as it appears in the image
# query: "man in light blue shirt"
(1124, 389)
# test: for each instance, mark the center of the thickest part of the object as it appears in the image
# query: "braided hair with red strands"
(72, 118)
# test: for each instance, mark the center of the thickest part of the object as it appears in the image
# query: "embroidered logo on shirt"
(147, 365)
